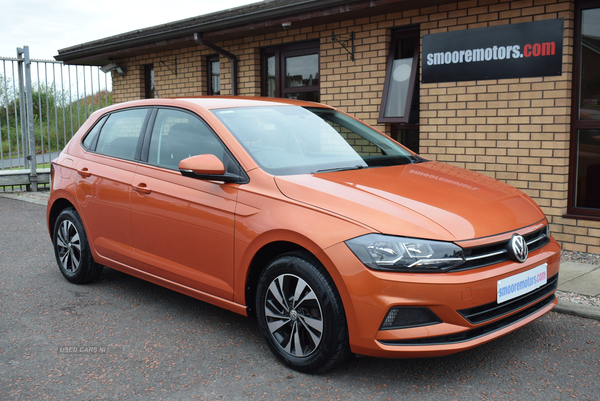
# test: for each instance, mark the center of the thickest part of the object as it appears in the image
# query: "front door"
(183, 227)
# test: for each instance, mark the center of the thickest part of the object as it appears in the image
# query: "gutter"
(234, 19)
(171, 31)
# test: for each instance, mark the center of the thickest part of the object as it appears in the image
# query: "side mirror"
(203, 165)
(208, 167)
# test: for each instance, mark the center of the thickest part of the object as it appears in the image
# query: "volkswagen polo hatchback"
(335, 237)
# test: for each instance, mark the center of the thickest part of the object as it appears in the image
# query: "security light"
(112, 67)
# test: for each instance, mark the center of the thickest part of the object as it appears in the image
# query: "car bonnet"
(425, 200)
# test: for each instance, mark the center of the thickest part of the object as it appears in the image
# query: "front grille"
(493, 310)
(490, 254)
(476, 332)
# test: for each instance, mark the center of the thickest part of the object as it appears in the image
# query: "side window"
(178, 135)
(120, 134)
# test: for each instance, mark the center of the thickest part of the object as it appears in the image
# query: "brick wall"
(515, 130)
(190, 80)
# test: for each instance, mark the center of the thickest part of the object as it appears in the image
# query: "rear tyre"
(72, 249)
(301, 314)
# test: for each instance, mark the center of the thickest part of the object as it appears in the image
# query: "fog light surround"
(406, 317)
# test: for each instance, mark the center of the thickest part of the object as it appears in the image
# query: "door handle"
(142, 188)
(84, 172)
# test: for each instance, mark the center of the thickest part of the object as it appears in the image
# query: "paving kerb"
(579, 278)
(39, 198)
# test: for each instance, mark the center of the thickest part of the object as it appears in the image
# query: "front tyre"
(72, 249)
(301, 314)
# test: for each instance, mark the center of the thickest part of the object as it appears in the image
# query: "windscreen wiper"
(416, 159)
(328, 170)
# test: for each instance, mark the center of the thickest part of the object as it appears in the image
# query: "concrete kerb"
(578, 278)
(575, 309)
(39, 198)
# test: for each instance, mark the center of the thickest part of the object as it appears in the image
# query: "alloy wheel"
(68, 246)
(294, 316)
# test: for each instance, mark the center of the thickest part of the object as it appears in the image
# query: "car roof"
(216, 102)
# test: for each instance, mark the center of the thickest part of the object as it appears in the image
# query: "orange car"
(338, 239)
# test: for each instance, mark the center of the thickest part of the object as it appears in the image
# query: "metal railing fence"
(42, 104)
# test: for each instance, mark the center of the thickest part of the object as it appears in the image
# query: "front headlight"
(389, 253)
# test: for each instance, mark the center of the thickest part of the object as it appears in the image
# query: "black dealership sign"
(530, 49)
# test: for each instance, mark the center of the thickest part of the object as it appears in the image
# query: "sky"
(49, 25)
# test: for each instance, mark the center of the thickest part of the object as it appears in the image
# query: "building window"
(400, 101)
(150, 89)
(214, 75)
(408, 137)
(584, 187)
(400, 94)
(292, 71)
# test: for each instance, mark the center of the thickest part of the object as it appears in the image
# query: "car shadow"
(228, 329)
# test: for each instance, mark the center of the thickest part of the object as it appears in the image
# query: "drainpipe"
(232, 58)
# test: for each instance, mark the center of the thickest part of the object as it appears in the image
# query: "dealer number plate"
(522, 283)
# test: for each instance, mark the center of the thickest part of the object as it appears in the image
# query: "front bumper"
(454, 297)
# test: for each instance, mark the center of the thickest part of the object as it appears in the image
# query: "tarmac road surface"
(123, 338)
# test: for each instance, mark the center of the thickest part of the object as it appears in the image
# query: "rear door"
(182, 226)
(104, 181)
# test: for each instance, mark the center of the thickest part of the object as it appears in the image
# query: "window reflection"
(585, 190)
(149, 81)
(408, 138)
(307, 96)
(292, 71)
(398, 88)
(215, 77)
(400, 103)
(588, 169)
(270, 79)
(302, 71)
(590, 60)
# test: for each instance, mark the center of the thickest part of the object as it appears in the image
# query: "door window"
(178, 135)
(119, 136)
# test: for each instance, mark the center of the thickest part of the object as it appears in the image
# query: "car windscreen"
(286, 140)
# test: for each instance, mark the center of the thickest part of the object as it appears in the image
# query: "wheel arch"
(279, 243)
(260, 261)
(333, 345)
(57, 207)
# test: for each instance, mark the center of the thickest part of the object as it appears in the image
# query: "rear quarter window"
(89, 142)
